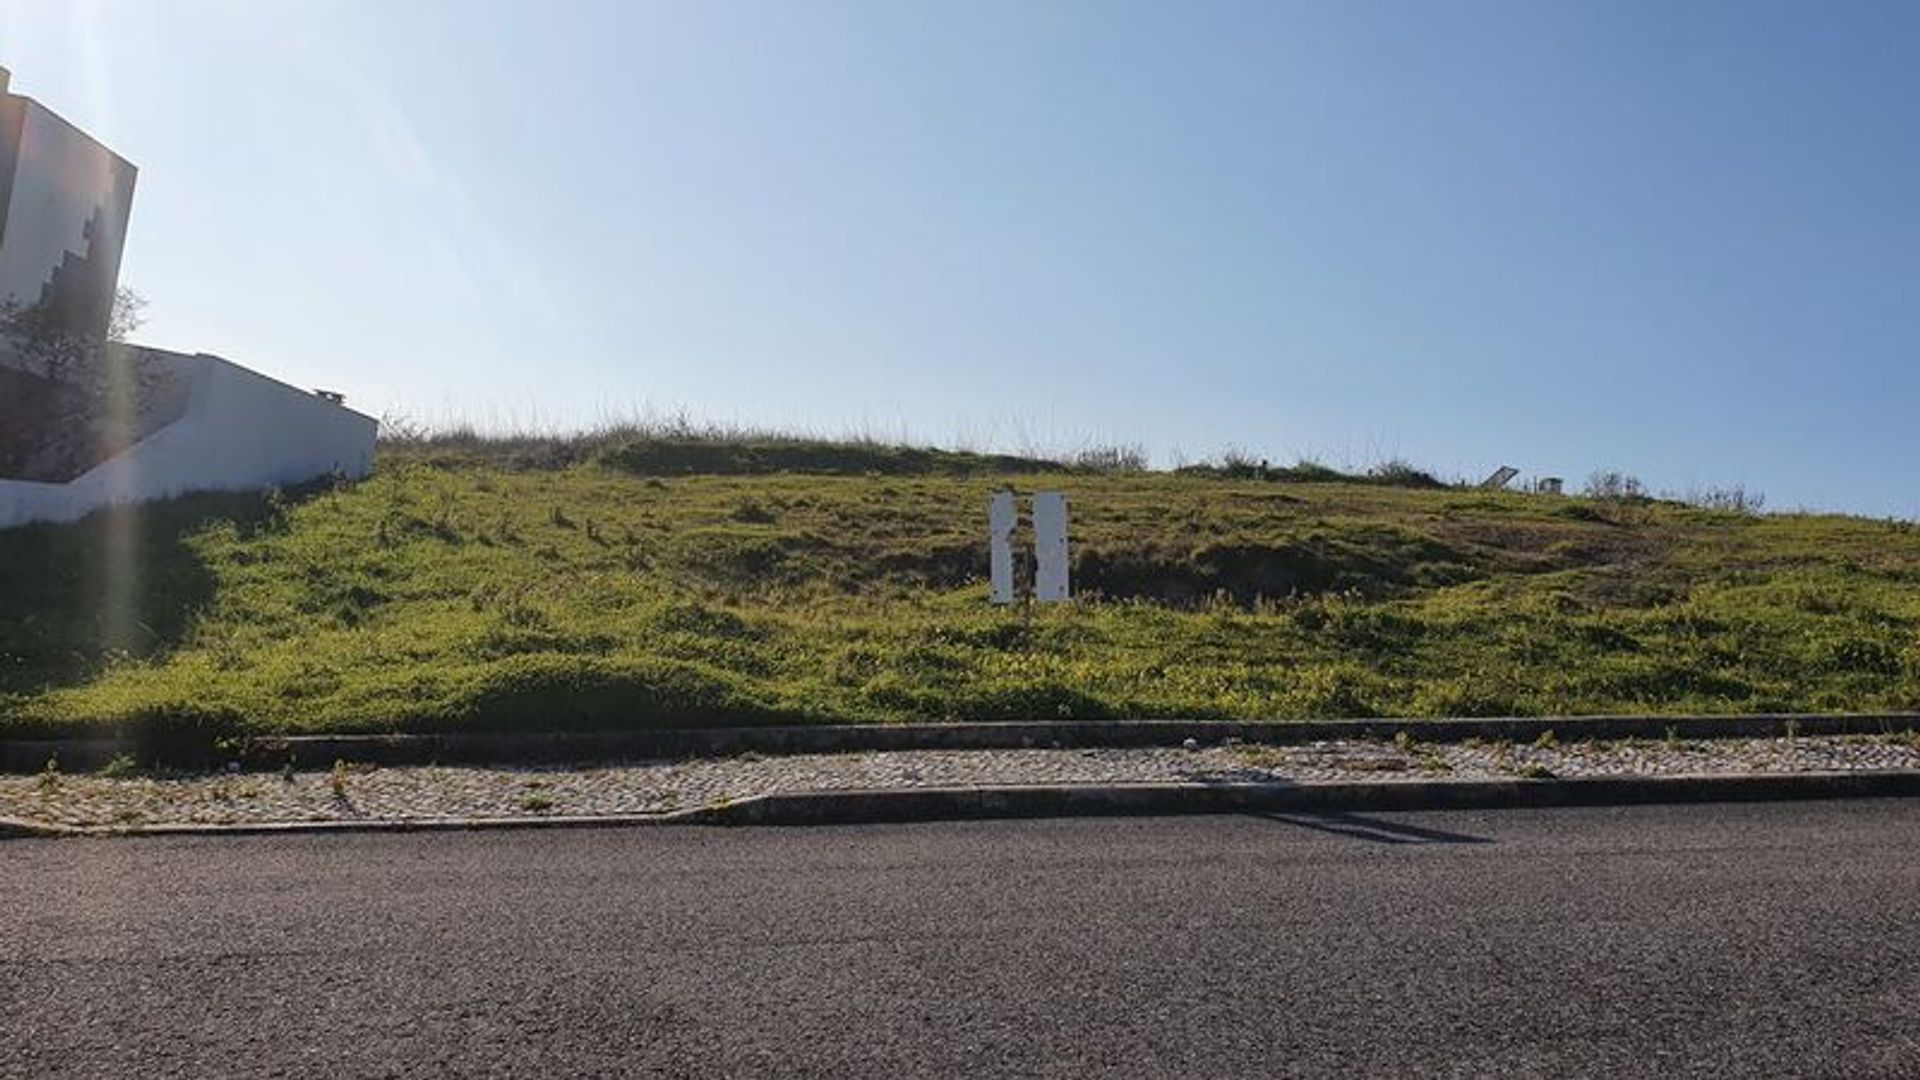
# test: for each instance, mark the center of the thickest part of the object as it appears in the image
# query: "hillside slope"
(450, 592)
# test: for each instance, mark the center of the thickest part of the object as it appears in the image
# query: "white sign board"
(1001, 521)
(1050, 566)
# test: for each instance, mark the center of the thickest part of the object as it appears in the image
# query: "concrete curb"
(928, 804)
(20, 829)
(1084, 800)
(479, 748)
(14, 828)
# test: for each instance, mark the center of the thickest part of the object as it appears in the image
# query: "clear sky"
(1677, 239)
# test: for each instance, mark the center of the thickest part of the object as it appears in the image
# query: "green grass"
(463, 587)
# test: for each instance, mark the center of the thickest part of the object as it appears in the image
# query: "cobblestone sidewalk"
(363, 793)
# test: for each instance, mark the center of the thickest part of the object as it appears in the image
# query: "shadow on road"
(1373, 829)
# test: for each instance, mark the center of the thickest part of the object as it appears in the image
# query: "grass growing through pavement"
(648, 583)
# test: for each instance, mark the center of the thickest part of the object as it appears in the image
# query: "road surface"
(1661, 941)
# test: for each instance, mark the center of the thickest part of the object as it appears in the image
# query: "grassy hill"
(565, 584)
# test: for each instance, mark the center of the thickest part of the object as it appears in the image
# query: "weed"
(1536, 772)
(792, 580)
(1129, 458)
(337, 779)
(121, 767)
(1399, 473)
(536, 802)
(1546, 740)
(1614, 487)
(49, 778)
(1257, 756)
(1736, 499)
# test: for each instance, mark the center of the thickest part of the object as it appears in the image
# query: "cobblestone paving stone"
(362, 793)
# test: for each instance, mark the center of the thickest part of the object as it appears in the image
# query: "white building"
(66, 200)
(181, 423)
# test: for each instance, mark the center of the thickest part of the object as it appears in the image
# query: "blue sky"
(1680, 240)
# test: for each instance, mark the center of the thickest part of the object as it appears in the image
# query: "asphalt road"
(1727, 940)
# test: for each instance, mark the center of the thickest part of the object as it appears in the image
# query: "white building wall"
(64, 204)
(70, 197)
(241, 431)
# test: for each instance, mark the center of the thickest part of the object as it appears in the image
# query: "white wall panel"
(68, 205)
(1050, 561)
(1001, 521)
(241, 431)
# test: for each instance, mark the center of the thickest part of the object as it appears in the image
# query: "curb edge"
(851, 807)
